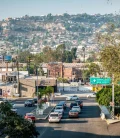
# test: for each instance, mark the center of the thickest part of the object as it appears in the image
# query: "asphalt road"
(88, 125)
(21, 110)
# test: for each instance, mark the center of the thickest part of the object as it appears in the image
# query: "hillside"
(35, 32)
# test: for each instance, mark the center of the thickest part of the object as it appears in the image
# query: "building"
(28, 86)
(54, 69)
(64, 70)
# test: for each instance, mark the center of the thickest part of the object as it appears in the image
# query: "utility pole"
(113, 104)
(37, 88)
(29, 58)
(83, 48)
(63, 67)
(18, 76)
(18, 81)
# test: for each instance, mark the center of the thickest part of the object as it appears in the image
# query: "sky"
(18, 8)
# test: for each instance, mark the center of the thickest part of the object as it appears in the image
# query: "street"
(88, 125)
(21, 110)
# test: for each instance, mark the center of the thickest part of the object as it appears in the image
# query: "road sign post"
(113, 109)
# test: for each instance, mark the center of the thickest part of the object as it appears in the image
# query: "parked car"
(30, 117)
(62, 103)
(29, 102)
(1, 100)
(74, 97)
(14, 110)
(73, 104)
(60, 113)
(76, 108)
(54, 117)
(59, 109)
(35, 100)
(80, 103)
(73, 113)
(91, 95)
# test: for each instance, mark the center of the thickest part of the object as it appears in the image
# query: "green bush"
(104, 96)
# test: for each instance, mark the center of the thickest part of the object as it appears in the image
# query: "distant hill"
(35, 32)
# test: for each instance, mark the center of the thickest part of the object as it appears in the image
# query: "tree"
(60, 52)
(104, 97)
(63, 80)
(73, 52)
(110, 59)
(45, 91)
(13, 125)
(94, 69)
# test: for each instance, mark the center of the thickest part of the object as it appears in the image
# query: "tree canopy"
(13, 125)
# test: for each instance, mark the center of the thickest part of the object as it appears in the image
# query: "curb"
(112, 121)
(46, 116)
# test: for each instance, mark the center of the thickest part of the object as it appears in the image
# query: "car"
(29, 103)
(91, 95)
(30, 117)
(59, 109)
(74, 97)
(13, 105)
(1, 100)
(14, 110)
(62, 103)
(60, 113)
(76, 108)
(35, 100)
(73, 113)
(80, 103)
(54, 117)
(73, 104)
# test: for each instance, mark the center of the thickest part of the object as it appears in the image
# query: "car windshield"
(73, 103)
(76, 107)
(54, 115)
(29, 114)
(30, 100)
(58, 108)
(73, 110)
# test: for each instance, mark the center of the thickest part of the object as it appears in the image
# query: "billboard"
(7, 58)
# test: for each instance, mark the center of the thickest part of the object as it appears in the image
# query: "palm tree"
(46, 92)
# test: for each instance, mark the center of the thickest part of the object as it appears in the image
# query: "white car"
(60, 113)
(91, 95)
(74, 97)
(77, 108)
(14, 110)
(54, 117)
(59, 109)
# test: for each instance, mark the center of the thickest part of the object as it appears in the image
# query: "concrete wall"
(27, 87)
(73, 86)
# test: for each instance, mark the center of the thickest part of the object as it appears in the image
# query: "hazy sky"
(18, 8)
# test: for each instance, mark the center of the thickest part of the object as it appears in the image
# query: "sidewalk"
(112, 121)
(45, 114)
(105, 115)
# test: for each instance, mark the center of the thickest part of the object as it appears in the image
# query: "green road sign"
(96, 80)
